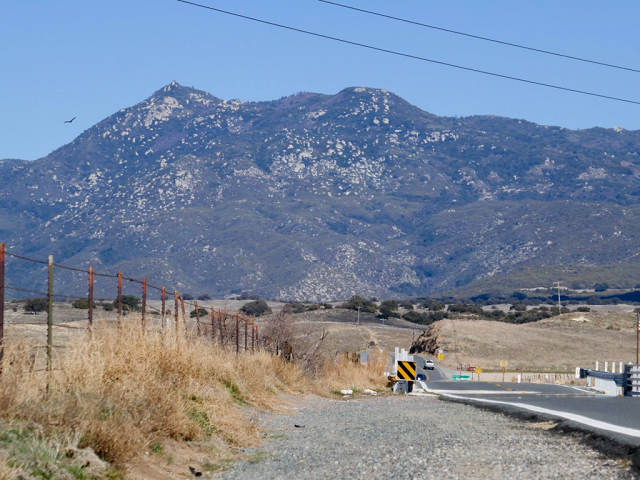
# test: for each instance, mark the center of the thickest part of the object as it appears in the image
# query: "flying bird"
(69, 121)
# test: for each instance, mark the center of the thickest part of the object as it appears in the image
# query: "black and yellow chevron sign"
(406, 370)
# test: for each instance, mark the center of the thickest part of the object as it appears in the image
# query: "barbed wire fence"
(223, 328)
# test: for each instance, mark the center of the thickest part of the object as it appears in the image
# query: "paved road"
(617, 418)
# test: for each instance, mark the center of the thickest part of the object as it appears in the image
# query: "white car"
(429, 365)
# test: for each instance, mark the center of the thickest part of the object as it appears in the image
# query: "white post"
(597, 365)
(621, 367)
(606, 366)
(519, 378)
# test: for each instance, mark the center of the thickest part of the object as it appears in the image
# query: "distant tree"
(519, 307)
(82, 303)
(187, 296)
(583, 309)
(389, 308)
(35, 305)
(601, 287)
(204, 297)
(433, 305)
(129, 302)
(407, 304)
(256, 308)
(294, 307)
(357, 301)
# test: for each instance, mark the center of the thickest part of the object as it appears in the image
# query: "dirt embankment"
(557, 344)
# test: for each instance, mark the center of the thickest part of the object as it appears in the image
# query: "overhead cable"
(480, 37)
(414, 57)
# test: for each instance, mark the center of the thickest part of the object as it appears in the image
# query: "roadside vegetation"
(121, 393)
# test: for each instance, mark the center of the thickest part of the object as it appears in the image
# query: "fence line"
(223, 335)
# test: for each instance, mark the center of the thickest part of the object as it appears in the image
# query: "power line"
(409, 55)
(480, 37)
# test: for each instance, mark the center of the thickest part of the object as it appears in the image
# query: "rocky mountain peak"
(322, 196)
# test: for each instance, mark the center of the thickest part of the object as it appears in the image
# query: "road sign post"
(503, 365)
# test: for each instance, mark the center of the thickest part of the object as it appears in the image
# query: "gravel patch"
(404, 437)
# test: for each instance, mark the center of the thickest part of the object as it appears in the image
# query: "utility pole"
(638, 342)
(559, 304)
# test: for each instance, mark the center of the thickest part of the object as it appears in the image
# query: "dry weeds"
(124, 391)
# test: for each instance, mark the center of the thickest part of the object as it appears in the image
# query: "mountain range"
(319, 197)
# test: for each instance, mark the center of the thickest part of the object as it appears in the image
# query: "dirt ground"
(557, 344)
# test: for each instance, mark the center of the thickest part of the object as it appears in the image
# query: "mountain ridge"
(317, 196)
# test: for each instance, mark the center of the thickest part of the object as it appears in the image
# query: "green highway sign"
(461, 377)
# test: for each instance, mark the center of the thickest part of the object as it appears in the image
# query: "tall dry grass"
(342, 373)
(123, 389)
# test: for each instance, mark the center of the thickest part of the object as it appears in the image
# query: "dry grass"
(557, 344)
(123, 390)
(342, 373)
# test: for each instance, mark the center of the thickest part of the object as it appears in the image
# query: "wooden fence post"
(253, 337)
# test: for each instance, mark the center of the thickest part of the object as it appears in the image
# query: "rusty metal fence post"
(2, 260)
(119, 298)
(222, 327)
(163, 296)
(237, 334)
(90, 295)
(213, 324)
(184, 316)
(175, 301)
(144, 303)
(197, 318)
(246, 325)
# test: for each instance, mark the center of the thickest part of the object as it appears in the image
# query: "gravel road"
(404, 437)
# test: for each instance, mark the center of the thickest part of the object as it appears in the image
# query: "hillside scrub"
(123, 391)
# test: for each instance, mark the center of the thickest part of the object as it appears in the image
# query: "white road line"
(489, 392)
(610, 427)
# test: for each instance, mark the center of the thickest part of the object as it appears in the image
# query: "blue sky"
(78, 57)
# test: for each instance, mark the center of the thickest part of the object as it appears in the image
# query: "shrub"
(583, 309)
(108, 307)
(357, 301)
(256, 308)
(294, 307)
(204, 297)
(407, 304)
(82, 303)
(35, 305)
(129, 302)
(424, 318)
(433, 305)
(201, 311)
(601, 287)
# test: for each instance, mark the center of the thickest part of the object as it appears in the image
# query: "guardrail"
(625, 383)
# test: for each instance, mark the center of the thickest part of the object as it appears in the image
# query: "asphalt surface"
(615, 418)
